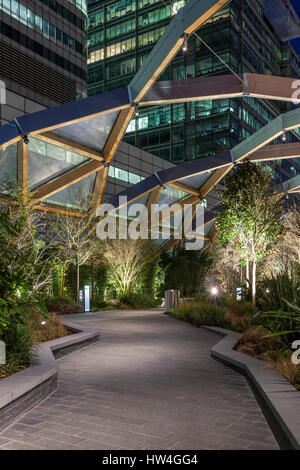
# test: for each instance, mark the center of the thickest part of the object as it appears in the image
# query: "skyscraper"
(42, 54)
(122, 33)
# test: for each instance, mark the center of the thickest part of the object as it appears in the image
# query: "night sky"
(296, 42)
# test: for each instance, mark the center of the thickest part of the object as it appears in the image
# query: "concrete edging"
(279, 400)
(21, 391)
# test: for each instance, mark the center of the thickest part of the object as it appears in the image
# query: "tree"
(75, 235)
(250, 218)
(186, 271)
(25, 260)
(227, 264)
(127, 261)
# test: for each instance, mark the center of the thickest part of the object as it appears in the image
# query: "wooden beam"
(206, 16)
(100, 183)
(153, 197)
(214, 179)
(184, 187)
(46, 207)
(70, 145)
(117, 132)
(22, 166)
(169, 244)
(110, 148)
(159, 70)
(67, 179)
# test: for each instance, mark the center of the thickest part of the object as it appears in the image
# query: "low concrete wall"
(21, 391)
(279, 400)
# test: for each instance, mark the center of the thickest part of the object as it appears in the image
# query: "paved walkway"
(148, 384)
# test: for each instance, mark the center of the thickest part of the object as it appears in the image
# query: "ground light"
(214, 291)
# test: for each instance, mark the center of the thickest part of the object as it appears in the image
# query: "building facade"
(122, 33)
(42, 54)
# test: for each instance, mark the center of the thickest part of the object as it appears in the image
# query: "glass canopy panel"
(90, 132)
(195, 181)
(47, 161)
(170, 195)
(75, 196)
(8, 168)
(129, 211)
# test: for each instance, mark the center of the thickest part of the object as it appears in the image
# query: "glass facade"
(122, 33)
(47, 40)
(27, 17)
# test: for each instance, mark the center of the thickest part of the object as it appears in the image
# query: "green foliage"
(277, 289)
(282, 323)
(127, 263)
(98, 303)
(62, 305)
(250, 218)
(154, 278)
(25, 272)
(240, 308)
(101, 279)
(138, 300)
(17, 333)
(201, 314)
(186, 271)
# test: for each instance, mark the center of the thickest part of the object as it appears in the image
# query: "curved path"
(148, 384)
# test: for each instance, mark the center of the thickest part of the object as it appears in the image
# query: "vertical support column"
(23, 166)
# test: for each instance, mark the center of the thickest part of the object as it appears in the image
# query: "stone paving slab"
(148, 384)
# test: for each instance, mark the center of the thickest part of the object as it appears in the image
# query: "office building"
(42, 54)
(122, 33)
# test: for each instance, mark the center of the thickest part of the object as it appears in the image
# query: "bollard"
(171, 300)
(2, 352)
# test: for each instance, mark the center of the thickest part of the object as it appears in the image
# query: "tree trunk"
(92, 273)
(254, 283)
(77, 279)
(247, 273)
(62, 279)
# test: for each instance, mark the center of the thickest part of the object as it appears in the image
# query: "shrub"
(239, 315)
(276, 290)
(49, 327)
(283, 324)
(138, 300)
(62, 306)
(247, 348)
(288, 370)
(98, 303)
(257, 335)
(18, 334)
(201, 314)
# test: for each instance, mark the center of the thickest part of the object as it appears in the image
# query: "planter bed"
(279, 400)
(21, 391)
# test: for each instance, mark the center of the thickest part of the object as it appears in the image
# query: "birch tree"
(250, 218)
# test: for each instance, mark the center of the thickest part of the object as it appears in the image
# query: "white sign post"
(86, 298)
(2, 352)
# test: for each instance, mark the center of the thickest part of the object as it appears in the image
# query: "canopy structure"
(69, 148)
